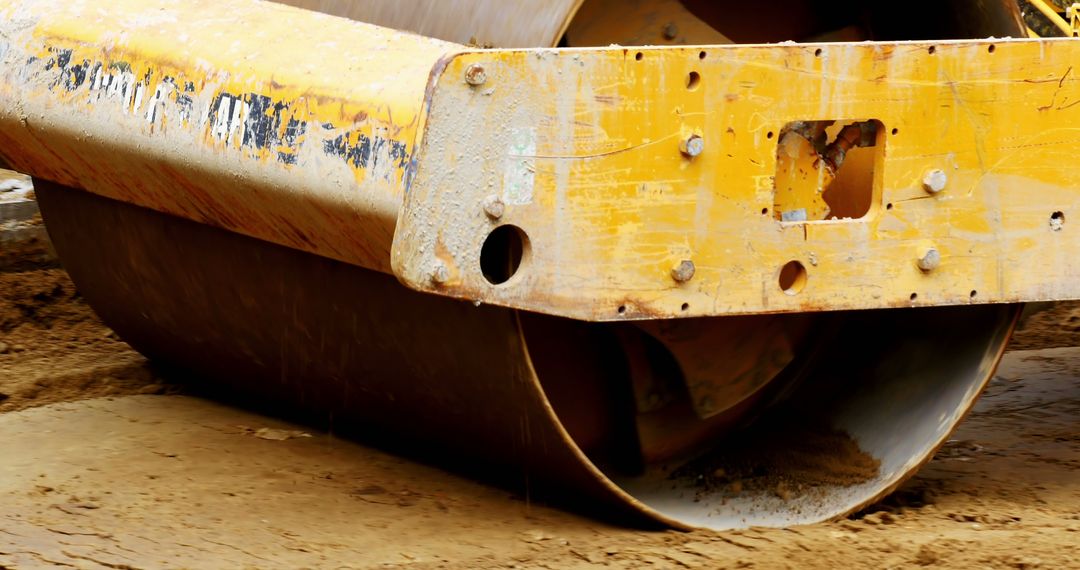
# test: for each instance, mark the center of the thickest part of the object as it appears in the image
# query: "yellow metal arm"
(645, 182)
(1053, 16)
(270, 121)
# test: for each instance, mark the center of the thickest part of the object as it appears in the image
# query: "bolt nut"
(693, 146)
(439, 274)
(475, 75)
(934, 181)
(494, 207)
(671, 31)
(930, 260)
(684, 271)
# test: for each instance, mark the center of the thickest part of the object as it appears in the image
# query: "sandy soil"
(104, 466)
(53, 348)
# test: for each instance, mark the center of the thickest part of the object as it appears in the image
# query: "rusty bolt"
(475, 75)
(684, 271)
(671, 31)
(930, 260)
(494, 207)
(934, 181)
(440, 274)
(693, 146)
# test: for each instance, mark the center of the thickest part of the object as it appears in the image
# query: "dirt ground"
(102, 465)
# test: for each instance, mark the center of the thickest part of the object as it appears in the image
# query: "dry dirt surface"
(53, 348)
(103, 466)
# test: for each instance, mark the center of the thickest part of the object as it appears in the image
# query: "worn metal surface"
(344, 344)
(724, 362)
(313, 147)
(639, 23)
(492, 23)
(537, 402)
(282, 124)
(901, 416)
(583, 147)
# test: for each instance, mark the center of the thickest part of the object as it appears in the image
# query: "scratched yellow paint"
(615, 204)
(584, 147)
(298, 127)
(250, 53)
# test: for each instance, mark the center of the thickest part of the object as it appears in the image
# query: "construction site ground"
(105, 465)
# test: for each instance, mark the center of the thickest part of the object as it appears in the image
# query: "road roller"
(698, 263)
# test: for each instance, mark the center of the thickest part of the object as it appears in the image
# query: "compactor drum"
(700, 283)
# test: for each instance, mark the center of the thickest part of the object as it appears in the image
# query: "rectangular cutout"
(825, 170)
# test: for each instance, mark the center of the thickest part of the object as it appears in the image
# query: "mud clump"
(53, 348)
(31, 301)
(787, 459)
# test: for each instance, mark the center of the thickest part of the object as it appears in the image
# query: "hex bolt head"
(671, 31)
(475, 75)
(693, 146)
(684, 271)
(494, 207)
(934, 181)
(439, 273)
(930, 260)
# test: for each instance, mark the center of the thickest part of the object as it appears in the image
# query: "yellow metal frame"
(1073, 14)
(585, 150)
(282, 124)
(1055, 18)
(642, 178)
